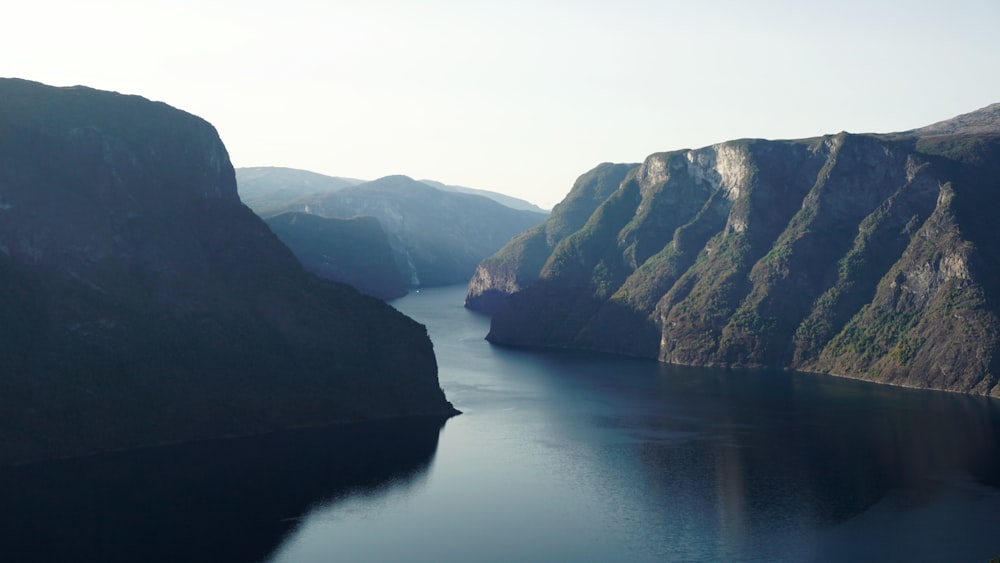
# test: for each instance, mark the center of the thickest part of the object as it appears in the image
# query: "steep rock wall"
(143, 303)
(869, 256)
(520, 262)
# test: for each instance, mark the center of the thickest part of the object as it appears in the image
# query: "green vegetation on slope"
(520, 261)
(871, 256)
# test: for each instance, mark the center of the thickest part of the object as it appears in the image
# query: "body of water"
(559, 456)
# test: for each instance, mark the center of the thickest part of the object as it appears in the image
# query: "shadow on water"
(771, 465)
(222, 500)
(849, 441)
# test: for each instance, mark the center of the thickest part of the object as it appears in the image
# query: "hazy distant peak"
(284, 175)
(984, 120)
(398, 184)
(267, 189)
(395, 180)
(502, 199)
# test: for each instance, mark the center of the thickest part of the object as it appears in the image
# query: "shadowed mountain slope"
(141, 302)
(438, 233)
(353, 251)
(437, 236)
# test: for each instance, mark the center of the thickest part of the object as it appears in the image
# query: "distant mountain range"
(141, 302)
(502, 199)
(868, 256)
(268, 189)
(437, 235)
(354, 251)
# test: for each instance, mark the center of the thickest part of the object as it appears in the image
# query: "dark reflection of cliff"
(785, 451)
(223, 500)
(758, 463)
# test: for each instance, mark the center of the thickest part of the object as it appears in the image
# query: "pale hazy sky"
(514, 96)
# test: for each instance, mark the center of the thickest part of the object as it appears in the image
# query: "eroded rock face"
(141, 302)
(870, 256)
(520, 262)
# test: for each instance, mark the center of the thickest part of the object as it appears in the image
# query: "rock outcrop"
(141, 302)
(520, 261)
(868, 256)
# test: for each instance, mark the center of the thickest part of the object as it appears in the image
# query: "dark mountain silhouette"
(141, 302)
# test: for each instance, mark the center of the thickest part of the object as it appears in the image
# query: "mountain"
(438, 237)
(502, 199)
(142, 303)
(867, 256)
(266, 189)
(519, 263)
(353, 251)
(983, 121)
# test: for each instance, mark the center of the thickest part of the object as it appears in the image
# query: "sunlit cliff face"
(858, 255)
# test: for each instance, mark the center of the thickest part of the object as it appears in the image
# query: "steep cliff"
(869, 256)
(520, 261)
(141, 302)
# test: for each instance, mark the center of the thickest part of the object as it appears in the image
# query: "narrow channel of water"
(559, 456)
(564, 456)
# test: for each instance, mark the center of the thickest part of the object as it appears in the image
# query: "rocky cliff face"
(520, 261)
(141, 302)
(870, 256)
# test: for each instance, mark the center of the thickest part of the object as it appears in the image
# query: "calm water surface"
(558, 456)
(580, 457)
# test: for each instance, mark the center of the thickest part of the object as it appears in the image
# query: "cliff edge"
(868, 256)
(141, 302)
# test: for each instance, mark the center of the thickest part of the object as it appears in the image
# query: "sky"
(518, 97)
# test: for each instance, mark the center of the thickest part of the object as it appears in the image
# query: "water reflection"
(224, 500)
(583, 457)
(776, 466)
